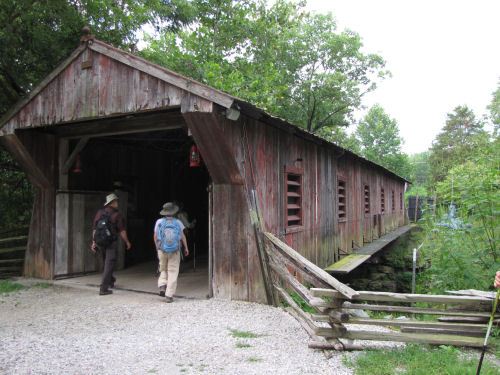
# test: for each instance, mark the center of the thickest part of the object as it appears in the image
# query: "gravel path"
(63, 330)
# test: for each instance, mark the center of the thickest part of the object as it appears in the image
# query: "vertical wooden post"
(416, 208)
(256, 221)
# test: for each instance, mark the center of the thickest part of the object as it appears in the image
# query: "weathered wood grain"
(413, 310)
(402, 297)
(318, 272)
(414, 337)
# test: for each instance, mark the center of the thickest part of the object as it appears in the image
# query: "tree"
(291, 63)
(339, 136)
(494, 108)
(380, 142)
(16, 196)
(419, 173)
(460, 138)
(466, 257)
(327, 75)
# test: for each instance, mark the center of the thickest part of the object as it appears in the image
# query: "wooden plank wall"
(41, 238)
(75, 213)
(108, 87)
(270, 149)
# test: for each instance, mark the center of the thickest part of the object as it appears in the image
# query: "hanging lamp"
(194, 157)
(78, 167)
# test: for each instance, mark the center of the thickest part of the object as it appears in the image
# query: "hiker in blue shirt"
(168, 234)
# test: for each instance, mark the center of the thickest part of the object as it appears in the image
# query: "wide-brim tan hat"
(110, 198)
(169, 209)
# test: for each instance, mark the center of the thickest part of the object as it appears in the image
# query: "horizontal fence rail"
(13, 245)
(334, 307)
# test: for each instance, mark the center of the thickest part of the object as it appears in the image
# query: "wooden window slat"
(367, 199)
(293, 185)
(341, 199)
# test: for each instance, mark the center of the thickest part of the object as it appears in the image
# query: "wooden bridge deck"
(359, 256)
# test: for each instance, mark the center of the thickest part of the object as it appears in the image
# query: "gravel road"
(68, 330)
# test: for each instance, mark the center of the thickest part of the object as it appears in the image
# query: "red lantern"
(194, 157)
(78, 167)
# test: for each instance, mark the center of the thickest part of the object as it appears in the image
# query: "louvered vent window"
(342, 204)
(382, 201)
(293, 197)
(367, 199)
(393, 202)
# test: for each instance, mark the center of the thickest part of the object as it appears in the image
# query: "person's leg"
(162, 279)
(173, 272)
(109, 265)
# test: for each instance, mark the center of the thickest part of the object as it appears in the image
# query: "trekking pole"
(488, 332)
(194, 250)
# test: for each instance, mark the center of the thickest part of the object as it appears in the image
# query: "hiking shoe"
(105, 292)
(163, 288)
(169, 299)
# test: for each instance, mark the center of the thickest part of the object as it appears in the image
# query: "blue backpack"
(169, 235)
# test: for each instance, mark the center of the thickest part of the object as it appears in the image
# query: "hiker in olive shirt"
(110, 252)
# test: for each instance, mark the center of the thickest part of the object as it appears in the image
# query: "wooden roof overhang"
(101, 90)
(75, 95)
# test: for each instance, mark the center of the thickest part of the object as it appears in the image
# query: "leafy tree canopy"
(294, 64)
(420, 173)
(494, 108)
(380, 141)
(460, 138)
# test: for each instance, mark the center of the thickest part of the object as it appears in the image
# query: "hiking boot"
(163, 288)
(169, 299)
(104, 292)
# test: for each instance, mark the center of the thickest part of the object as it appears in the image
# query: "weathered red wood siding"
(108, 87)
(262, 152)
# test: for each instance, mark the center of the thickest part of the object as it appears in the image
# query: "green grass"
(244, 334)
(240, 344)
(300, 302)
(418, 360)
(43, 285)
(254, 359)
(7, 287)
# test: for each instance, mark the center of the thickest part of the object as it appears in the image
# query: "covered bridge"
(106, 119)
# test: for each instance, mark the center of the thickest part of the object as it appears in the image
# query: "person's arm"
(497, 280)
(186, 251)
(123, 235)
(93, 247)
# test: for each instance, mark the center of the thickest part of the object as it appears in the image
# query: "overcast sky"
(441, 54)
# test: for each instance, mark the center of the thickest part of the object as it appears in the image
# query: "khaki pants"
(169, 270)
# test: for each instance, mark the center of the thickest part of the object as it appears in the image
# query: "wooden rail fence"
(333, 325)
(12, 252)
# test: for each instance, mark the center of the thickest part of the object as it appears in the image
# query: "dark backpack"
(103, 236)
